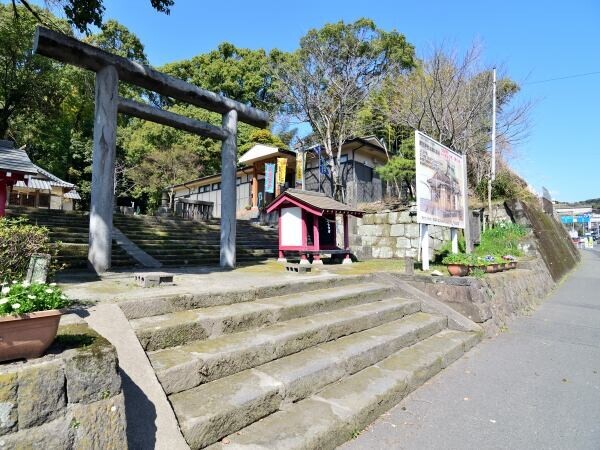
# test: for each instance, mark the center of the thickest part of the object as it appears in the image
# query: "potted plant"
(510, 260)
(458, 264)
(29, 318)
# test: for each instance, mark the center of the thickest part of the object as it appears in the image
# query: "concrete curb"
(151, 422)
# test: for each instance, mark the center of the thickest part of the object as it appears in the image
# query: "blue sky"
(534, 40)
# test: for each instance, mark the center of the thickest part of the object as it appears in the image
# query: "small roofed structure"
(15, 165)
(307, 224)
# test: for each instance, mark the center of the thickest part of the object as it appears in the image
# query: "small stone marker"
(153, 279)
(37, 272)
(297, 268)
(409, 265)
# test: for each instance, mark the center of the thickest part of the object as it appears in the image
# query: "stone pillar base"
(281, 260)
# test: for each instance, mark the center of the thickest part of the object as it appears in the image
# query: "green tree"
(327, 80)
(400, 169)
(81, 14)
(162, 168)
(29, 84)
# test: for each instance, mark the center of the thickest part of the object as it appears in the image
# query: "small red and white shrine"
(15, 166)
(307, 225)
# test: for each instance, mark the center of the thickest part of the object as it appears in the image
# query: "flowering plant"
(22, 298)
(509, 258)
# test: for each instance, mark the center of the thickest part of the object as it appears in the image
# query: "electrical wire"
(563, 78)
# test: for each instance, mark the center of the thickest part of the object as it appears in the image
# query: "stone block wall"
(493, 300)
(69, 399)
(392, 234)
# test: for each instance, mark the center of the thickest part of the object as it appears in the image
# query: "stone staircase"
(177, 242)
(297, 366)
(71, 228)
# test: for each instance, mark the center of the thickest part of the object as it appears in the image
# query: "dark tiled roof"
(54, 180)
(320, 201)
(15, 160)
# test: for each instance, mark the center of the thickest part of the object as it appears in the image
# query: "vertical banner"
(299, 167)
(270, 178)
(281, 169)
(323, 167)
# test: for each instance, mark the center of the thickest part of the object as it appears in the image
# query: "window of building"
(238, 181)
(343, 159)
(216, 186)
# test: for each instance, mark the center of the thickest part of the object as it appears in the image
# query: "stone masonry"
(392, 234)
(70, 398)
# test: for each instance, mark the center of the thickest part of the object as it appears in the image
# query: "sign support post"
(454, 237)
(424, 246)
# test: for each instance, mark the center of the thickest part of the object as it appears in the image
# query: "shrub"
(22, 298)
(458, 258)
(501, 240)
(18, 241)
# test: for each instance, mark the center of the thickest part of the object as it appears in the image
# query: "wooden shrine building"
(307, 224)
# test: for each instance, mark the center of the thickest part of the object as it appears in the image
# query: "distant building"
(30, 185)
(358, 161)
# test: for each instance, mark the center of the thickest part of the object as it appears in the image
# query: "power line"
(563, 78)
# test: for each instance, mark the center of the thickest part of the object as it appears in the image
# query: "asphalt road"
(535, 386)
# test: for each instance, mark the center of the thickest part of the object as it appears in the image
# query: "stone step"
(177, 328)
(211, 411)
(333, 416)
(155, 306)
(190, 365)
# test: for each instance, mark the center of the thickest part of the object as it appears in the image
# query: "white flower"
(31, 297)
(5, 290)
(15, 281)
(49, 291)
(52, 284)
(16, 305)
(3, 301)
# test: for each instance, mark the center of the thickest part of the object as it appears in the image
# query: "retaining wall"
(69, 399)
(494, 299)
(392, 234)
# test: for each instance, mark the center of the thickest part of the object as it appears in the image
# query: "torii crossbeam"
(110, 69)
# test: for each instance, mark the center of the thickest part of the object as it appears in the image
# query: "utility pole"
(493, 165)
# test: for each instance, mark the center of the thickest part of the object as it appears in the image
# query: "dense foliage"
(344, 80)
(22, 298)
(502, 239)
(18, 242)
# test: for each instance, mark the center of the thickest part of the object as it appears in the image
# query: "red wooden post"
(316, 241)
(2, 197)
(281, 254)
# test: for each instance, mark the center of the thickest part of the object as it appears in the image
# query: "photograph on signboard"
(440, 183)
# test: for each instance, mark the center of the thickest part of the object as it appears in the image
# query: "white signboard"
(291, 227)
(440, 183)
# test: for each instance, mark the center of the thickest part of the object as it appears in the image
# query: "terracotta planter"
(503, 266)
(491, 268)
(28, 335)
(512, 265)
(458, 270)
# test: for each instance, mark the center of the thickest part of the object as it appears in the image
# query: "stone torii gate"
(109, 70)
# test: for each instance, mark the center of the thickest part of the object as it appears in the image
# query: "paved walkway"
(535, 386)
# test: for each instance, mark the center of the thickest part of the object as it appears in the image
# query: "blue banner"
(323, 167)
(270, 178)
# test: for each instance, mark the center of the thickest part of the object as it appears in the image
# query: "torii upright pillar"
(228, 190)
(103, 162)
